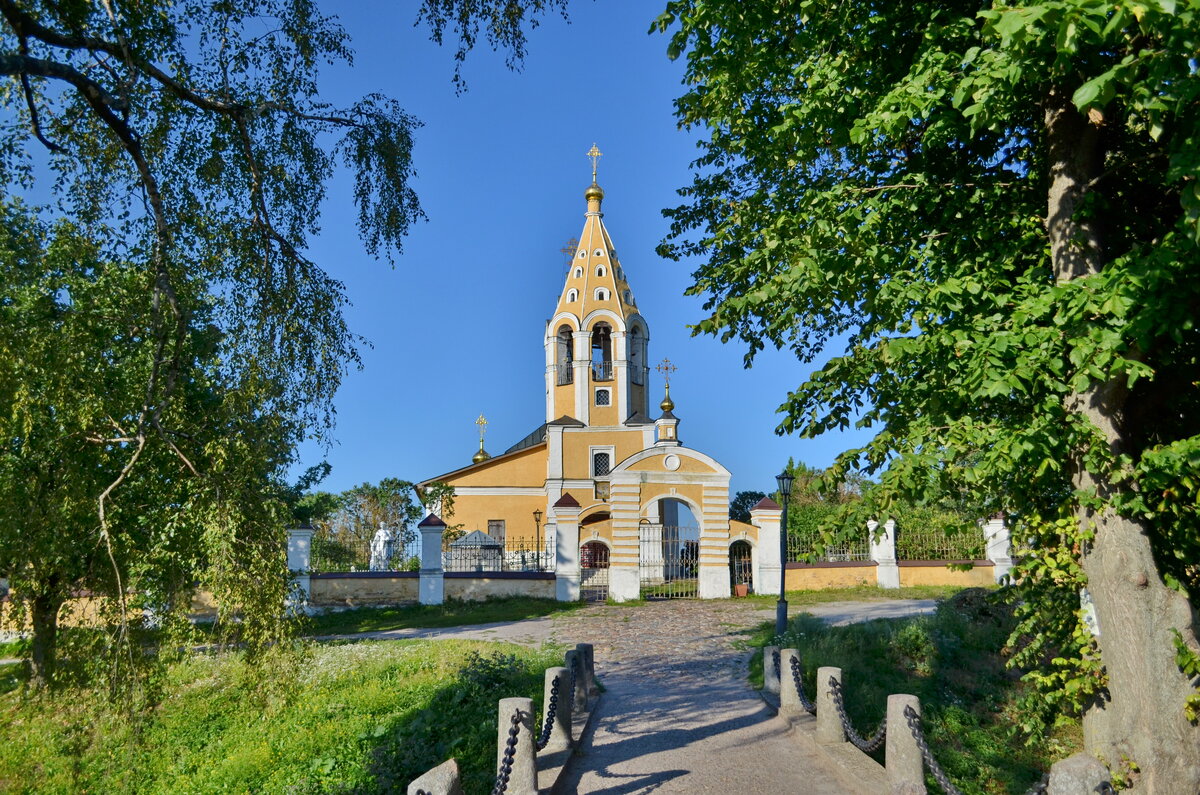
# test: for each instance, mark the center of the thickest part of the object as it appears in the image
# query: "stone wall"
(938, 573)
(818, 576)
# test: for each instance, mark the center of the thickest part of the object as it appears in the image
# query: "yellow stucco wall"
(686, 465)
(980, 576)
(477, 589)
(473, 513)
(736, 529)
(577, 444)
(816, 579)
(525, 468)
(564, 400)
(351, 591)
(604, 415)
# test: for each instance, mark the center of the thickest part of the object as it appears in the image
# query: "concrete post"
(441, 780)
(902, 757)
(566, 545)
(789, 696)
(1080, 774)
(883, 552)
(770, 672)
(523, 778)
(765, 516)
(432, 586)
(299, 559)
(574, 663)
(589, 667)
(829, 723)
(560, 732)
(999, 546)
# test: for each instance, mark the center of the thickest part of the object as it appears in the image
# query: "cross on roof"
(482, 423)
(666, 368)
(569, 249)
(594, 153)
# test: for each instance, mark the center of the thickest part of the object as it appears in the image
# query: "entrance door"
(669, 561)
(593, 580)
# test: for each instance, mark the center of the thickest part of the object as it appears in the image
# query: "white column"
(766, 519)
(566, 537)
(433, 586)
(583, 374)
(883, 552)
(299, 559)
(621, 374)
(999, 546)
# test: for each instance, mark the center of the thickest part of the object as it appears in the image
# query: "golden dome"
(481, 456)
(667, 404)
(594, 191)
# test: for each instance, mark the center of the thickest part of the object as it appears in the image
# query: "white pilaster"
(883, 552)
(999, 546)
(583, 374)
(566, 535)
(621, 373)
(432, 586)
(766, 519)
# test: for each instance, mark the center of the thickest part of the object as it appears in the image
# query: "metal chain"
(551, 709)
(839, 703)
(574, 678)
(776, 657)
(935, 770)
(797, 676)
(510, 751)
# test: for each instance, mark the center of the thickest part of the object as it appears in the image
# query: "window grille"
(603, 397)
(601, 464)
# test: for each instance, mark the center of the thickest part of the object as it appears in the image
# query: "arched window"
(593, 555)
(598, 252)
(572, 295)
(602, 352)
(637, 344)
(578, 273)
(563, 355)
(628, 297)
(601, 294)
(599, 270)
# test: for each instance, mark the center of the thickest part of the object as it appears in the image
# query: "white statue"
(381, 549)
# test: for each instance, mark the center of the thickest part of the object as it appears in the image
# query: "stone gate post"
(765, 516)
(997, 538)
(566, 544)
(883, 552)
(432, 587)
(299, 559)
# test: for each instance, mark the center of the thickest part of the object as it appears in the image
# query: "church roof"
(595, 279)
(536, 437)
(766, 504)
(639, 418)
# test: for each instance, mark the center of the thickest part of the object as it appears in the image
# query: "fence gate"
(593, 580)
(741, 568)
(668, 561)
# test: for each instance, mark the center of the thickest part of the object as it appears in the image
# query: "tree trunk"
(44, 612)
(1143, 720)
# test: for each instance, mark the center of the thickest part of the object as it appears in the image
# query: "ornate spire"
(666, 368)
(482, 455)
(594, 192)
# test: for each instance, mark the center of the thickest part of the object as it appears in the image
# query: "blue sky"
(456, 326)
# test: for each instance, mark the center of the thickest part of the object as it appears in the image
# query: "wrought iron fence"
(343, 552)
(566, 374)
(512, 555)
(602, 371)
(802, 545)
(936, 543)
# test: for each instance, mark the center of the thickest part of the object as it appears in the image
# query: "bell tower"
(596, 342)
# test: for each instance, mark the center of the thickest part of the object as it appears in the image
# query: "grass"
(450, 614)
(861, 593)
(951, 660)
(362, 718)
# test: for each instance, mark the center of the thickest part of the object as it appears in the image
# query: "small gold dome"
(667, 404)
(594, 191)
(481, 456)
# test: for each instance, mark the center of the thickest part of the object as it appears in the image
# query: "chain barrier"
(839, 703)
(510, 751)
(797, 676)
(548, 722)
(935, 770)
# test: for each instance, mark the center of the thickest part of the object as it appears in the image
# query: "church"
(605, 486)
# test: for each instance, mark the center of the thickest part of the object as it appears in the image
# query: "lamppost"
(537, 520)
(784, 480)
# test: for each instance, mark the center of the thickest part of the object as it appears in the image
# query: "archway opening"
(741, 568)
(669, 551)
(563, 356)
(602, 369)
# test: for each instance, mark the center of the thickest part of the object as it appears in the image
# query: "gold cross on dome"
(482, 423)
(666, 368)
(594, 153)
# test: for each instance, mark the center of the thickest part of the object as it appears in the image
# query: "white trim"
(591, 459)
(684, 452)
(598, 389)
(574, 318)
(596, 313)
